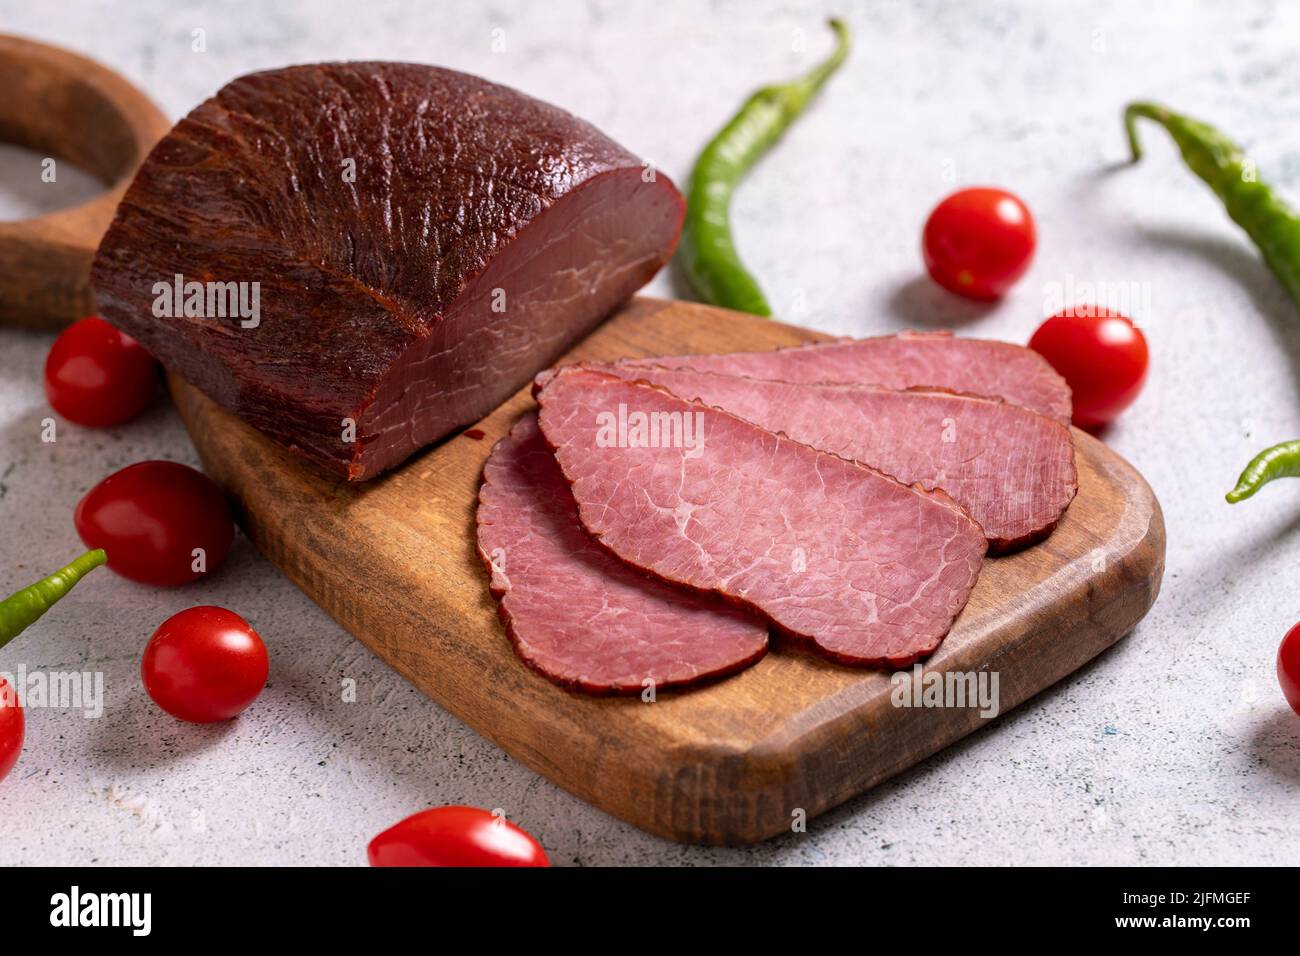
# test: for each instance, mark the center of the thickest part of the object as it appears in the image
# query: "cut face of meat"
(1010, 468)
(933, 359)
(871, 570)
(420, 242)
(575, 613)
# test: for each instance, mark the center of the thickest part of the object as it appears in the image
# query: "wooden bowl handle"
(66, 106)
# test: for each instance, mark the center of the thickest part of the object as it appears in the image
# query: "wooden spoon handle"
(72, 108)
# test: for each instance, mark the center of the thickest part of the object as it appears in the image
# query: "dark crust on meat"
(451, 171)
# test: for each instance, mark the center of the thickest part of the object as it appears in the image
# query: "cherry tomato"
(98, 376)
(456, 836)
(11, 728)
(151, 517)
(978, 242)
(1101, 354)
(1288, 667)
(204, 664)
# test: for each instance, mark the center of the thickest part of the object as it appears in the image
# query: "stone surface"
(1175, 747)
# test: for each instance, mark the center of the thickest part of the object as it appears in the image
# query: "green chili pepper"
(1280, 461)
(23, 607)
(708, 251)
(1272, 225)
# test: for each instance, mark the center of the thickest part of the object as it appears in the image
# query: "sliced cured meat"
(935, 359)
(573, 611)
(871, 570)
(1010, 468)
(419, 241)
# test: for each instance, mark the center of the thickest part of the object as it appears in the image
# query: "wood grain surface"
(69, 108)
(394, 562)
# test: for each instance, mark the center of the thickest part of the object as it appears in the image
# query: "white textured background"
(1175, 747)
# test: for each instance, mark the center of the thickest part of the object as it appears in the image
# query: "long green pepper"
(708, 251)
(23, 607)
(1280, 461)
(1270, 222)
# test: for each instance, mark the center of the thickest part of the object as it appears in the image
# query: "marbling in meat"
(1010, 468)
(934, 359)
(869, 569)
(574, 612)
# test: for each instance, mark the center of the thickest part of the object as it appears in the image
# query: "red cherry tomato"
(204, 664)
(978, 242)
(1101, 354)
(98, 376)
(456, 836)
(11, 728)
(151, 517)
(1288, 667)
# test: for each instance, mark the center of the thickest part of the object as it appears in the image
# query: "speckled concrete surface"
(1175, 747)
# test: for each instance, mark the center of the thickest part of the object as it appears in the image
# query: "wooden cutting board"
(394, 562)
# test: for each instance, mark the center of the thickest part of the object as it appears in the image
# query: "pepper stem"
(816, 78)
(1135, 111)
(24, 607)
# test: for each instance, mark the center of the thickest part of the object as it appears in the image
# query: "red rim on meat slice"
(933, 359)
(1010, 468)
(574, 612)
(872, 571)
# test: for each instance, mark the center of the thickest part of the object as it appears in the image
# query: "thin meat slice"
(574, 612)
(871, 570)
(935, 359)
(1010, 468)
